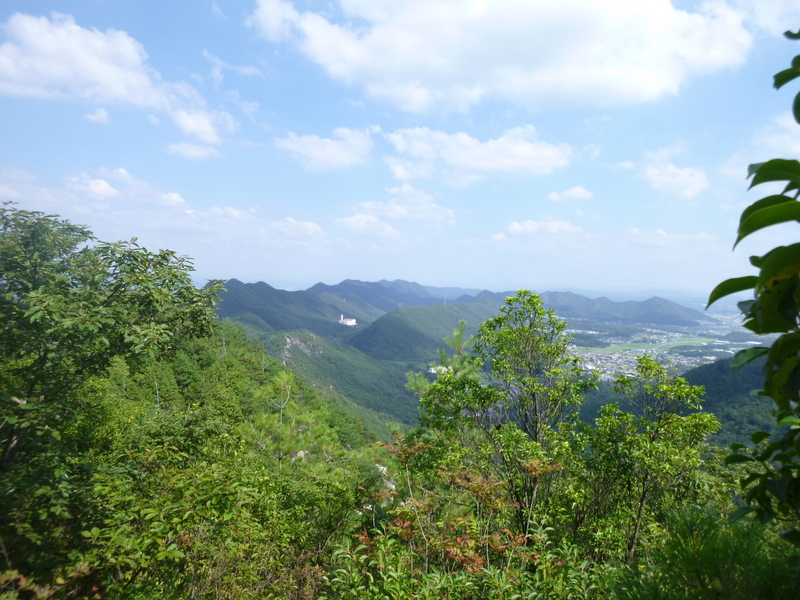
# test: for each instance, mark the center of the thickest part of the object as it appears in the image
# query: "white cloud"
(547, 226)
(781, 138)
(774, 16)
(661, 239)
(6, 193)
(574, 193)
(96, 187)
(99, 116)
(424, 54)
(293, 227)
(218, 68)
(204, 125)
(345, 148)
(193, 151)
(55, 58)
(408, 204)
(663, 176)
(413, 204)
(173, 199)
(463, 159)
(248, 107)
(217, 11)
(684, 182)
(368, 225)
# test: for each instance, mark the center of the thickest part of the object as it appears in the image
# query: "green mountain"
(731, 395)
(655, 311)
(261, 308)
(443, 293)
(415, 333)
(371, 300)
(378, 385)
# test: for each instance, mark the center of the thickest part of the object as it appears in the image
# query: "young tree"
(460, 364)
(527, 349)
(505, 427)
(651, 456)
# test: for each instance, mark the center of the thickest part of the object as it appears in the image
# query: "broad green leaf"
(762, 204)
(784, 77)
(732, 286)
(790, 420)
(757, 261)
(792, 36)
(778, 488)
(796, 108)
(781, 263)
(759, 436)
(751, 169)
(747, 355)
(739, 513)
(777, 169)
(766, 316)
(783, 374)
(746, 307)
(779, 212)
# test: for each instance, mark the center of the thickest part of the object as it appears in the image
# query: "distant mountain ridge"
(654, 311)
(321, 304)
(400, 327)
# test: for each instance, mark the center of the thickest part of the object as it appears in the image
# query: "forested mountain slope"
(655, 311)
(374, 384)
(262, 307)
(415, 333)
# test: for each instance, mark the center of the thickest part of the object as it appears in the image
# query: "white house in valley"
(348, 322)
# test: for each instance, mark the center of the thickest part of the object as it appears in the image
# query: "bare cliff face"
(303, 346)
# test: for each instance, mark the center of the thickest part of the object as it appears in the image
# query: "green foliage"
(526, 347)
(773, 490)
(162, 455)
(641, 464)
(414, 333)
(69, 308)
(384, 566)
(702, 557)
(169, 493)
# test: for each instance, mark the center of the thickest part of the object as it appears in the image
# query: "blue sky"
(579, 144)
